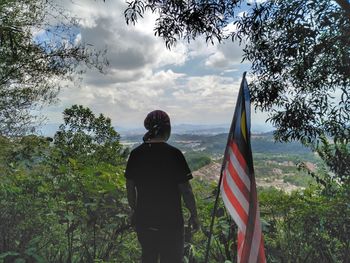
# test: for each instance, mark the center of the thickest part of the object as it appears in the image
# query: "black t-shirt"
(157, 169)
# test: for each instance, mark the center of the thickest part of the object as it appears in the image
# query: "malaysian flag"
(238, 188)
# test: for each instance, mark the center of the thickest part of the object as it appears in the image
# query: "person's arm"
(190, 203)
(131, 193)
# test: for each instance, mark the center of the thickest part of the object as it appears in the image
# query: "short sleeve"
(184, 173)
(130, 170)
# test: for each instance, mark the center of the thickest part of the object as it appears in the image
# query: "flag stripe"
(250, 224)
(237, 192)
(233, 200)
(240, 243)
(240, 171)
(241, 160)
(238, 181)
(262, 258)
(241, 225)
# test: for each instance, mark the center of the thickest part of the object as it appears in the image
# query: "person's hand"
(194, 222)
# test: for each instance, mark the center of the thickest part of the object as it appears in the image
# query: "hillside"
(211, 172)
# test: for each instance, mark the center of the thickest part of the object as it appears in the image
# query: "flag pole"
(214, 213)
(218, 189)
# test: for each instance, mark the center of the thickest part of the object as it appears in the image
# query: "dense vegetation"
(63, 200)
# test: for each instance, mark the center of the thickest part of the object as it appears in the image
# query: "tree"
(186, 19)
(88, 166)
(26, 204)
(300, 54)
(38, 49)
(189, 19)
(300, 59)
(87, 138)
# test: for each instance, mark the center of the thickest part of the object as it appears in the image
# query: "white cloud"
(142, 75)
(226, 55)
(256, 1)
(200, 48)
(132, 51)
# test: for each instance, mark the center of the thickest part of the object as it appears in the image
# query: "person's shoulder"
(138, 149)
(173, 149)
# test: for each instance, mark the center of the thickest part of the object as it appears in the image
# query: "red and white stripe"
(238, 191)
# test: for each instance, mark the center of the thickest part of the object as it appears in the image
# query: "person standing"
(157, 176)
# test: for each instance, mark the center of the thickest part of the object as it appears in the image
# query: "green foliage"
(61, 202)
(188, 20)
(223, 239)
(306, 226)
(197, 160)
(88, 138)
(24, 203)
(299, 52)
(300, 60)
(301, 181)
(56, 208)
(337, 157)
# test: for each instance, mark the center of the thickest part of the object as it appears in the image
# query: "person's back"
(157, 171)
(157, 176)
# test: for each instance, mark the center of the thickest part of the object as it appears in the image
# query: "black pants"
(166, 244)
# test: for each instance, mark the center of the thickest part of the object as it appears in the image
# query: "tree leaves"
(35, 52)
(299, 51)
(185, 19)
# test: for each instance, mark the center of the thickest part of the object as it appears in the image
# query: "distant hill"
(180, 129)
(214, 144)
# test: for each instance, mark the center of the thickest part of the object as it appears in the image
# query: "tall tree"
(89, 137)
(300, 54)
(89, 165)
(38, 48)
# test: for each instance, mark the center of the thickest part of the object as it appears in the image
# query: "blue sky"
(196, 83)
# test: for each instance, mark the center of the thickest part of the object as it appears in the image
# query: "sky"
(195, 83)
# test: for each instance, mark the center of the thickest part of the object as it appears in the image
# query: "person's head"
(157, 124)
